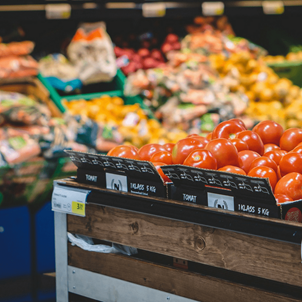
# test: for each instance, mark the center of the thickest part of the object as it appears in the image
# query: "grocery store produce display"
(90, 60)
(284, 173)
(28, 130)
(15, 61)
(214, 77)
(130, 121)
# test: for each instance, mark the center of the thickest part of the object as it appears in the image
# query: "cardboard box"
(120, 174)
(228, 191)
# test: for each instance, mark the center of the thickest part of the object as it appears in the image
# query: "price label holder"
(154, 10)
(273, 7)
(69, 200)
(212, 8)
(58, 11)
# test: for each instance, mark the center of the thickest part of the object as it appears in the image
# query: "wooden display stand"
(225, 256)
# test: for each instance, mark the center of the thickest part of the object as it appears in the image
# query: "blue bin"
(45, 239)
(15, 243)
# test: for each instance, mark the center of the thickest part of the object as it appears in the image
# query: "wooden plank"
(275, 229)
(175, 281)
(271, 259)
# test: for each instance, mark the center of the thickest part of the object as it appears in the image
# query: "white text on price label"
(224, 202)
(212, 8)
(58, 11)
(69, 200)
(273, 7)
(153, 10)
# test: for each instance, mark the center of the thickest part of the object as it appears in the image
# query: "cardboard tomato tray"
(228, 191)
(120, 174)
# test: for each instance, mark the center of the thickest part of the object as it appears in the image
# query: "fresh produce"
(224, 152)
(275, 155)
(270, 132)
(265, 172)
(15, 61)
(290, 139)
(232, 169)
(282, 169)
(131, 121)
(201, 159)
(291, 162)
(147, 151)
(124, 151)
(290, 57)
(245, 159)
(29, 130)
(162, 157)
(148, 56)
(184, 147)
(290, 185)
(263, 162)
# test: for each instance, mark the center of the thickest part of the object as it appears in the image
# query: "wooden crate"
(229, 256)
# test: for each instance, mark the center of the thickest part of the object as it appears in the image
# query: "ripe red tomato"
(290, 185)
(291, 162)
(185, 146)
(169, 147)
(162, 157)
(201, 159)
(224, 152)
(265, 172)
(245, 159)
(232, 169)
(193, 135)
(158, 165)
(290, 139)
(145, 152)
(275, 155)
(209, 136)
(227, 129)
(280, 198)
(239, 144)
(279, 173)
(297, 149)
(124, 151)
(239, 122)
(253, 140)
(264, 162)
(270, 132)
(270, 147)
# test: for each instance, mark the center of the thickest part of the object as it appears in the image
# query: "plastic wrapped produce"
(91, 52)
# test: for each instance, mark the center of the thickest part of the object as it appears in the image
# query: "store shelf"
(78, 9)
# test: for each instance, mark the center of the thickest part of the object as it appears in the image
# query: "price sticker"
(69, 200)
(273, 7)
(212, 8)
(151, 10)
(78, 208)
(58, 11)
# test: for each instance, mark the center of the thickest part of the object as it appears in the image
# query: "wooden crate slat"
(175, 281)
(270, 259)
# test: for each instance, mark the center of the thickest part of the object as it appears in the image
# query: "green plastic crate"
(119, 92)
(289, 70)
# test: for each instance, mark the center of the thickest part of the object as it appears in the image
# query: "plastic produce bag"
(91, 52)
(20, 109)
(60, 73)
(86, 243)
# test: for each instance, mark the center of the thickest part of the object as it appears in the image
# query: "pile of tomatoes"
(267, 151)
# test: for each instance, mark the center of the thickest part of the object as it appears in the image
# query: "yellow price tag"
(273, 7)
(78, 208)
